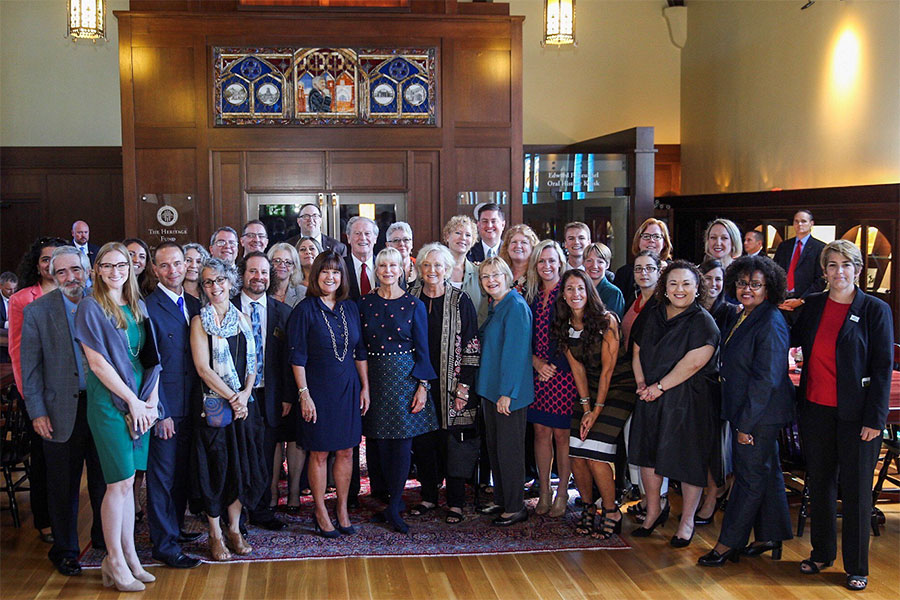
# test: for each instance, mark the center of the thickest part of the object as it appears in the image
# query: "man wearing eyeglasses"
(254, 237)
(223, 244)
(53, 373)
(310, 223)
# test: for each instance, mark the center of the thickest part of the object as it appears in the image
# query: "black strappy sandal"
(608, 527)
(809, 567)
(586, 522)
(857, 583)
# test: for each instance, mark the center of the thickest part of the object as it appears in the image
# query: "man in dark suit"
(81, 233)
(273, 390)
(753, 243)
(362, 233)
(799, 257)
(168, 472)
(491, 223)
(53, 381)
(8, 284)
(310, 223)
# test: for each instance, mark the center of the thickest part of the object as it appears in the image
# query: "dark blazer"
(624, 280)
(476, 253)
(278, 377)
(178, 380)
(49, 370)
(354, 284)
(92, 251)
(328, 243)
(864, 356)
(808, 273)
(3, 315)
(753, 370)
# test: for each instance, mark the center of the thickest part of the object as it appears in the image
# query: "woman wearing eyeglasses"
(652, 236)
(230, 468)
(287, 277)
(117, 337)
(399, 236)
(757, 402)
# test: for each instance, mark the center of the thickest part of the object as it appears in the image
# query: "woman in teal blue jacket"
(506, 381)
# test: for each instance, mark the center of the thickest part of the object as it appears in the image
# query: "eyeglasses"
(223, 243)
(404, 240)
(753, 285)
(310, 217)
(489, 276)
(282, 261)
(254, 236)
(651, 236)
(647, 269)
(219, 281)
(122, 266)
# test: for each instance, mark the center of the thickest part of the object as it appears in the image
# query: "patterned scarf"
(222, 363)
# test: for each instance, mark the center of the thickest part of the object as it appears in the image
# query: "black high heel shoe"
(758, 549)
(643, 532)
(334, 533)
(714, 559)
(677, 542)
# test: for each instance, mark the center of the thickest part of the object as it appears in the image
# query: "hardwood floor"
(651, 569)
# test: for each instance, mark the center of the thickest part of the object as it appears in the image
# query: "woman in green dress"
(122, 389)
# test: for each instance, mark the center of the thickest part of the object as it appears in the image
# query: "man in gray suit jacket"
(53, 375)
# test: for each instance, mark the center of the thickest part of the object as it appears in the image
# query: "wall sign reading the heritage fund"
(324, 86)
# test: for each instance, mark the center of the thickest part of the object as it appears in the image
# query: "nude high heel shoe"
(144, 576)
(217, 548)
(543, 505)
(109, 579)
(560, 503)
(237, 543)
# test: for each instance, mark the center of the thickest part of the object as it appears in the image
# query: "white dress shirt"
(370, 270)
(174, 298)
(495, 249)
(263, 318)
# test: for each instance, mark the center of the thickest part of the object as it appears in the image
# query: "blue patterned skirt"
(391, 391)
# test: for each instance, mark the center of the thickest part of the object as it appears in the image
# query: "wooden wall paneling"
(129, 168)
(203, 165)
(449, 202)
(667, 170)
(483, 169)
(285, 170)
(163, 82)
(227, 204)
(482, 94)
(373, 170)
(517, 169)
(84, 195)
(424, 205)
(19, 227)
(166, 171)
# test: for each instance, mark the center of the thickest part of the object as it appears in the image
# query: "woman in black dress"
(231, 468)
(452, 450)
(674, 432)
(395, 331)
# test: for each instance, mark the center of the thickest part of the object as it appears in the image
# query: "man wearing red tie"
(799, 257)
(361, 233)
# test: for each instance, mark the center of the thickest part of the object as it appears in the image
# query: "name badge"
(854, 318)
(866, 381)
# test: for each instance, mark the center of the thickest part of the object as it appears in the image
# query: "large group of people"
(204, 369)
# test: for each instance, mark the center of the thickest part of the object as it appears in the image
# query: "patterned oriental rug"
(428, 535)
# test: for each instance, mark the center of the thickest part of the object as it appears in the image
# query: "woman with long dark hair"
(589, 335)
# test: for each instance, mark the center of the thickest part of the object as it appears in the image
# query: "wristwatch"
(659, 387)
(425, 385)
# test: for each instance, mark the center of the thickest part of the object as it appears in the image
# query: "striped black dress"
(600, 444)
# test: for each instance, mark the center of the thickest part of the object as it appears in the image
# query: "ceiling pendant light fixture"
(86, 19)
(559, 22)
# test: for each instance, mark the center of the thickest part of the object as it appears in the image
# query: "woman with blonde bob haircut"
(460, 234)
(652, 235)
(722, 241)
(117, 337)
(518, 244)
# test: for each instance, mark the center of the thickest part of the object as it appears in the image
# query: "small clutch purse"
(129, 423)
(217, 411)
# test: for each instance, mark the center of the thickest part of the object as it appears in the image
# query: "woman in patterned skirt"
(589, 335)
(395, 331)
(554, 386)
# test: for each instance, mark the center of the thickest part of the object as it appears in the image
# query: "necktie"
(180, 304)
(798, 248)
(257, 337)
(490, 253)
(364, 286)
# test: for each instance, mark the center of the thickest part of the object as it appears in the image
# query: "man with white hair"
(362, 233)
(54, 386)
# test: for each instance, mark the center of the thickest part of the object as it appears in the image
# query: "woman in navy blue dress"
(324, 338)
(395, 331)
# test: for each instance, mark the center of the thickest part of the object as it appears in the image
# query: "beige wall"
(773, 96)
(54, 92)
(625, 72)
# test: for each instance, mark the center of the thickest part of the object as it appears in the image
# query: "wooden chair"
(14, 448)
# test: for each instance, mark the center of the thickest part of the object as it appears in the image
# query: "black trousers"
(432, 453)
(758, 500)
(394, 458)
(37, 484)
(168, 482)
(835, 455)
(262, 511)
(65, 463)
(506, 448)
